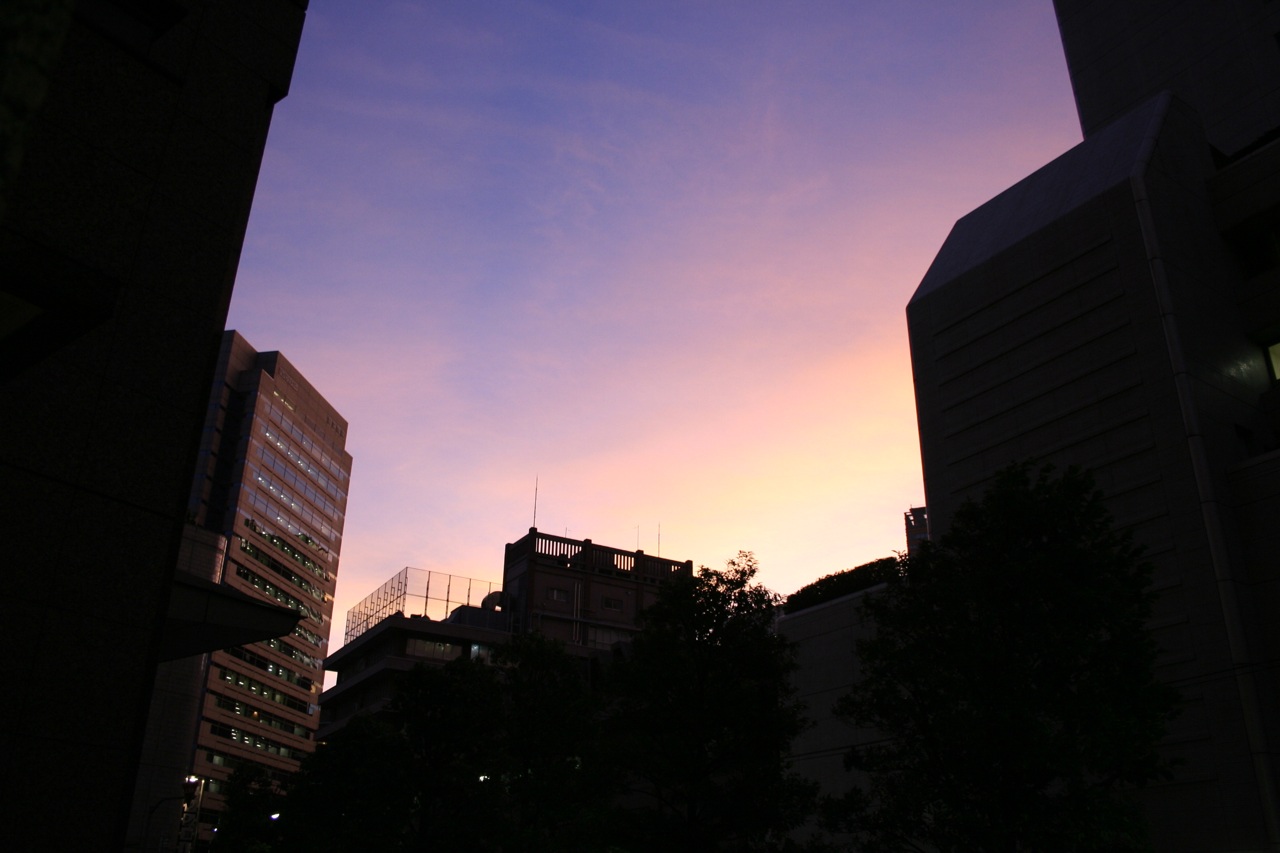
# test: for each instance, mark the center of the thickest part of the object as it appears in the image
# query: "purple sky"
(654, 254)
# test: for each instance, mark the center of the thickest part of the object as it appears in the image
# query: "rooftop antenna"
(535, 500)
(659, 538)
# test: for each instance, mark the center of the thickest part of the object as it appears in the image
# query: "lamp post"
(192, 790)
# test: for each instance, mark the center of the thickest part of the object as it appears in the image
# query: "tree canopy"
(703, 716)
(680, 743)
(467, 757)
(1010, 679)
(840, 584)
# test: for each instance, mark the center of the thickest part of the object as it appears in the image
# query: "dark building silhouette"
(587, 596)
(578, 592)
(916, 521)
(416, 618)
(131, 145)
(203, 615)
(1119, 309)
(825, 635)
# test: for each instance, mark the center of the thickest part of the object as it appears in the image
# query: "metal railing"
(417, 592)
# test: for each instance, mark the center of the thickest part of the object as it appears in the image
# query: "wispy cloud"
(653, 254)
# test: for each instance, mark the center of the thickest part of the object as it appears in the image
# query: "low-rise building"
(585, 595)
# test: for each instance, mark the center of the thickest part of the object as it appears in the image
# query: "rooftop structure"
(422, 593)
(416, 618)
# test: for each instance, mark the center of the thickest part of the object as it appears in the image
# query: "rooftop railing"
(588, 556)
(418, 592)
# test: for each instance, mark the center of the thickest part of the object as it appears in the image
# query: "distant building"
(825, 636)
(272, 477)
(1119, 309)
(132, 137)
(581, 593)
(416, 617)
(585, 595)
(916, 521)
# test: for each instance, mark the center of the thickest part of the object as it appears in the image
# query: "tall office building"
(271, 478)
(1119, 309)
(131, 138)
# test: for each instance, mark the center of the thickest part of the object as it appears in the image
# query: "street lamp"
(192, 790)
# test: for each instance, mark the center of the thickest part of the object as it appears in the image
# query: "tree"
(840, 584)
(1010, 679)
(253, 805)
(352, 793)
(680, 745)
(553, 780)
(702, 716)
(467, 756)
(452, 718)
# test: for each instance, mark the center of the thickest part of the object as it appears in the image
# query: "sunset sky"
(651, 255)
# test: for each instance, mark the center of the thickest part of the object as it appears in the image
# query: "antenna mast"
(535, 500)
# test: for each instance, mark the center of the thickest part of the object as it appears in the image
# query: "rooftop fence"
(417, 592)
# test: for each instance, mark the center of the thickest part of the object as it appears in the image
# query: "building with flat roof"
(417, 617)
(578, 592)
(1118, 309)
(271, 477)
(587, 596)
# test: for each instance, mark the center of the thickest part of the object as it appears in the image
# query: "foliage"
(702, 718)
(352, 793)
(680, 745)
(1011, 680)
(467, 757)
(555, 785)
(249, 822)
(451, 720)
(840, 584)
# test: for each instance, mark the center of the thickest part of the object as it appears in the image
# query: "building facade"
(272, 478)
(1118, 309)
(133, 134)
(581, 593)
(587, 596)
(416, 618)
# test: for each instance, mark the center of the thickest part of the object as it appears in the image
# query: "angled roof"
(1111, 156)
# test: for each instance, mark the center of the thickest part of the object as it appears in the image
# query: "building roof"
(1110, 157)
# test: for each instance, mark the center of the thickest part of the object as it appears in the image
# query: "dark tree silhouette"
(840, 584)
(1011, 680)
(553, 786)
(468, 756)
(680, 744)
(249, 823)
(703, 716)
(353, 793)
